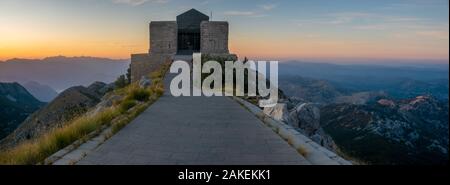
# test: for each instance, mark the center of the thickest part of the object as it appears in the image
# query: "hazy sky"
(265, 29)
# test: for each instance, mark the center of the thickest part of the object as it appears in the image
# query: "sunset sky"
(263, 29)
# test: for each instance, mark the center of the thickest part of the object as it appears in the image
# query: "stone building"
(191, 32)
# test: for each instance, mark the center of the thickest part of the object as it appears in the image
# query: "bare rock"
(144, 82)
(279, 112)
(106, 102)
(306, 117)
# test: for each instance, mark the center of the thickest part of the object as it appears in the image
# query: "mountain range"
(374, 115)
(349, 109)
(42, 92)
(398, 81)
(62, 72)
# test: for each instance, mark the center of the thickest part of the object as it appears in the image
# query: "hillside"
(16, 103)
(71, 103)
(387, 131)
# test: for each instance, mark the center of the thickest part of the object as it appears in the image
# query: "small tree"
(128, 75)
(121, 82)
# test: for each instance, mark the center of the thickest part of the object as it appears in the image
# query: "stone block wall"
(214, 37)
(144, 64)
(163, 37)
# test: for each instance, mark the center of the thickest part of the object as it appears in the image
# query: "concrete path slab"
(195, 130)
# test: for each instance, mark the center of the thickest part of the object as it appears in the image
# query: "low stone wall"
(312, 151)
(144, 64)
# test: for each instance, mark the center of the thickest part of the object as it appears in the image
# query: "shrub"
(126, 105)
(138, 94)
(121, 82)
(120, 124)
(158, 90)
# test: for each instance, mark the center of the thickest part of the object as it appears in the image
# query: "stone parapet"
(314, 153)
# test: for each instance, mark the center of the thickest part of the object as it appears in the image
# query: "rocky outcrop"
(106, 102)
(279, 112)
(305, 117)
(144, 82)
(68, 105)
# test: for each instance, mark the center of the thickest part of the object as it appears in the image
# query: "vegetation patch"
(136, 100)
(126, 105)
(138, 94)
(35, 151)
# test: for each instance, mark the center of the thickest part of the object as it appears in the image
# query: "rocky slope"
(16, 104)
(305, 117)
(374, 127)
(66, 106)
(388, 131)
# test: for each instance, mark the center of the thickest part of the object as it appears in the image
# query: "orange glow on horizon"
(41, 46)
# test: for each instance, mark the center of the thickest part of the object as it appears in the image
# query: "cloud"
(371, 27)
(268, 6)
(239, 13)
(138, 2)
(245, 14)
(254, 14)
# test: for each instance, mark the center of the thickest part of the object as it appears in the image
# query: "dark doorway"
(188, 43)
(189, 31)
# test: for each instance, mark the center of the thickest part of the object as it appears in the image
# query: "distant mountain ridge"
(61, 72)
(16, 103)
(42, 92)
(397, 81)
(61, 58)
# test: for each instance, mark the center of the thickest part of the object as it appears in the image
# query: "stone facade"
(214, 37)
(163, 37)
(192, 31)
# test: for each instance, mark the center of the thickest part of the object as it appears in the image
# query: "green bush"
(138, 94)
(126, 105)
(121, 82)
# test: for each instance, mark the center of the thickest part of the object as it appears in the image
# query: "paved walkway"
(195, 130)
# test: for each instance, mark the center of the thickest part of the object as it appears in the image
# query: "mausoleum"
(191, 32)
